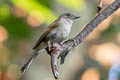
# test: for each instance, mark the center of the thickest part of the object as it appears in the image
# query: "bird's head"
(69, 16)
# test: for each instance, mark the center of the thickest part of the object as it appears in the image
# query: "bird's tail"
(32, 58)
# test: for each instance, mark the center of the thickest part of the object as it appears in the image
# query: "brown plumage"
(45, 33)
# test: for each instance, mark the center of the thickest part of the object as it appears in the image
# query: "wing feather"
(45, 33)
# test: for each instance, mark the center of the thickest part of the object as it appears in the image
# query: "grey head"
(68, 16)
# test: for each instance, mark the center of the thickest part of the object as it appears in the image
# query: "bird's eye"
(68, 15)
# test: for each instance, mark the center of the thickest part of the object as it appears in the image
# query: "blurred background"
(23, 21)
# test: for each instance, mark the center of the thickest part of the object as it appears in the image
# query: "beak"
(77, 17)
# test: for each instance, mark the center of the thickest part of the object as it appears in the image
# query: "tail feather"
(27, 65)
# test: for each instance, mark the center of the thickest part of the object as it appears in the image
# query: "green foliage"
(4, 11)
(36, 9)
(16, 28)
(73, 4)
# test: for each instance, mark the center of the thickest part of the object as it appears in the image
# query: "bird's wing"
(45, 33)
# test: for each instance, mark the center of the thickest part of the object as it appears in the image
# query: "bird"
(57, 31)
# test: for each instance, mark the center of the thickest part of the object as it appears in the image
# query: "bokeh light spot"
(104, 53)
(118, 38)
(91, 74)
(13, 72)
(3, 34)
(33, 21)
(18, 12)
(4, 12)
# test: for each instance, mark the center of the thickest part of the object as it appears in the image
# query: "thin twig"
(100, 5)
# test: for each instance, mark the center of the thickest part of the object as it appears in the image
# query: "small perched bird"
(57, 31)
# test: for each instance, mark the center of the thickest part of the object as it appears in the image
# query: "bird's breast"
(63, 30)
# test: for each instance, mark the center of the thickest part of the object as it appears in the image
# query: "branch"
(72, 43)
(68, 45)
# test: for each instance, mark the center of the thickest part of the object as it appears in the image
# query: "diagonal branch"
(68, 45)
(71, 43)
